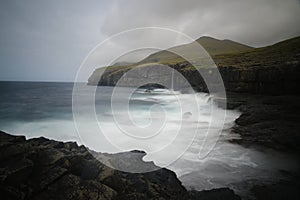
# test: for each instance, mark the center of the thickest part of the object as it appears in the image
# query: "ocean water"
(169, 127)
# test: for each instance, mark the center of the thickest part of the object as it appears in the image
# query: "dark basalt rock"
(281, 190)
(46, 169)
(221, 193)
(268, 121)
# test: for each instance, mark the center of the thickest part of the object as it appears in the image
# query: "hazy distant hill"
(215, 46)
(123, 63)
(269, 70)
(211, 45)
(280, 54)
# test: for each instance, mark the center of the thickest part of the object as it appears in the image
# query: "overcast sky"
(46, 40)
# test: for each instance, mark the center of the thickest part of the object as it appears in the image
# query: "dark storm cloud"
(47, 40)
(255, 22)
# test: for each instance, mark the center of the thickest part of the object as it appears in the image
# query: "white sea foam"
(227, 164)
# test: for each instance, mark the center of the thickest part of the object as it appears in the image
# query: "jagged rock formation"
(46, 169)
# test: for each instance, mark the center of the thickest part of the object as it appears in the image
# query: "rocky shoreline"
(269, 122)
(40, 168)
(46, 169)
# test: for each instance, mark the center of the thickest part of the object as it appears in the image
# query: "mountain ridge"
(211, 45)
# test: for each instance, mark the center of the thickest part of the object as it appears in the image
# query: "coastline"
(269, 122)
(150, 100)
(257, 111)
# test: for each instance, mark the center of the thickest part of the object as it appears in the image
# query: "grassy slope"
(281, 53)
(211, 45)
(227, 53)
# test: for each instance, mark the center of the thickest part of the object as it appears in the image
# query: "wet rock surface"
(269, 122)
(46, 169)
(277, 191)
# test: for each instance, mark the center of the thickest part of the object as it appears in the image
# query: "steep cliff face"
(257, 80)
(269, 70)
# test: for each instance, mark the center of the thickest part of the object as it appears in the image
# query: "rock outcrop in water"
(46, 169)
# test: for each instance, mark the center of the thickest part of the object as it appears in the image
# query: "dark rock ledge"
(267, 121)
(46, 169)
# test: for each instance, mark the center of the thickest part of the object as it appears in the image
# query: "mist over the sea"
(45, 109)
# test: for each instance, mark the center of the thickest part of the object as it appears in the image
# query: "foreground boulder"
(46, 169)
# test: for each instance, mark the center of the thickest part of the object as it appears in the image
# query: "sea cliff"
(268, 70)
